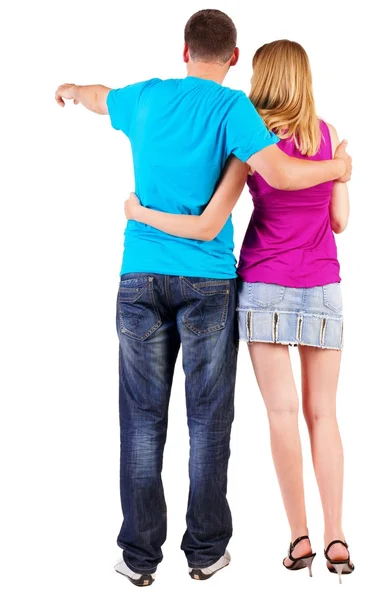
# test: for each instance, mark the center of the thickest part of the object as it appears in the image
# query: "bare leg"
(274, 374)
(320, 372)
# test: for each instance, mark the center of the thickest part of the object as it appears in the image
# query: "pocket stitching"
(156, 326)
(134, 298)
(213, 328)
(266, 304)
(197, 287)
(330, 305)
(138, 281)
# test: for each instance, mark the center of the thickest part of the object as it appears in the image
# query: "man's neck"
(211, 71)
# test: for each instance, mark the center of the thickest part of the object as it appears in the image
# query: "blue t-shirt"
(182, 131)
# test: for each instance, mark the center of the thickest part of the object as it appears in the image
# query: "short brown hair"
(211, 36)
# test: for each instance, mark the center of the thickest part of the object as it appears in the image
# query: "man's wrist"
(75, 92)
(340, 167)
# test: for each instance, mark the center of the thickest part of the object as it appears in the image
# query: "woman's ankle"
(298, 532)
(331, 535)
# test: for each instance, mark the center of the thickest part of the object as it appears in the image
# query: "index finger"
(59, 99)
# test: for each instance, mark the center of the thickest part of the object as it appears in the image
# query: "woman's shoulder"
(331, 131)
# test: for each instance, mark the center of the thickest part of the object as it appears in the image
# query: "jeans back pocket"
(137, 312)
(265, 295)
(207, 304)
(332, 297)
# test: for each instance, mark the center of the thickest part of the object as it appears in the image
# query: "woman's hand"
(131, 206)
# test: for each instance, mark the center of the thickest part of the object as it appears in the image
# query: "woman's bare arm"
(339, 203)
(206, 226)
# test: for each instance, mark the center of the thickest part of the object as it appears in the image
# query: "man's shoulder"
(151, 82)
(238, 104)
(236, 100)
(234, 92)
(176, 81)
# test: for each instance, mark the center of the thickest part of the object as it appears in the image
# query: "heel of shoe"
(309, 563)
(339, 568)
(300, 562)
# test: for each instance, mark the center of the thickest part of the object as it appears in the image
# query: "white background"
(65, 175)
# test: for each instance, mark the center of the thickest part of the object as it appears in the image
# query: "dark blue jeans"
(156, 314)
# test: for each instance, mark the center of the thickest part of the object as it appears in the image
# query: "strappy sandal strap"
(294, 544)
(343, 543)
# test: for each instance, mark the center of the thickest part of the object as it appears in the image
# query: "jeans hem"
(206, 565)
(140, 570)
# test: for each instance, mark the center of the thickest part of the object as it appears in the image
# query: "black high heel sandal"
(341, 567)
(301, 562)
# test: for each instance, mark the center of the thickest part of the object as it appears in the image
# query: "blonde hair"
(282, 93)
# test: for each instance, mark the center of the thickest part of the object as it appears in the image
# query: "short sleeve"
(246, 133)
(122, 105)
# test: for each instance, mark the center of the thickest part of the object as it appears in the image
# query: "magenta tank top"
(289, 240)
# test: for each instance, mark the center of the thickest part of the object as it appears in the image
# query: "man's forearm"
(286, 173)
(93, 97)
(301, 174)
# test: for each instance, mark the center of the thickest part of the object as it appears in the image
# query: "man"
(176, 291)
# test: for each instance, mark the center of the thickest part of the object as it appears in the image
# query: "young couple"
(194, 144)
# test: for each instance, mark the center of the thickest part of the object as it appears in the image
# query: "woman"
(289, 292)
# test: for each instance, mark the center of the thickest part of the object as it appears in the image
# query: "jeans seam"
(167, 290)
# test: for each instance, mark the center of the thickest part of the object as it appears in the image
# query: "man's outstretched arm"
(93, 97)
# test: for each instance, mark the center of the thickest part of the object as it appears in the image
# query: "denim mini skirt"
(293, 316)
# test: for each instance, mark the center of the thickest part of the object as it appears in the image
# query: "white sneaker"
(202, 574)
(139, 579)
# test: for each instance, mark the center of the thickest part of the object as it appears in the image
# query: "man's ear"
(186, 54)
(234, 58)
